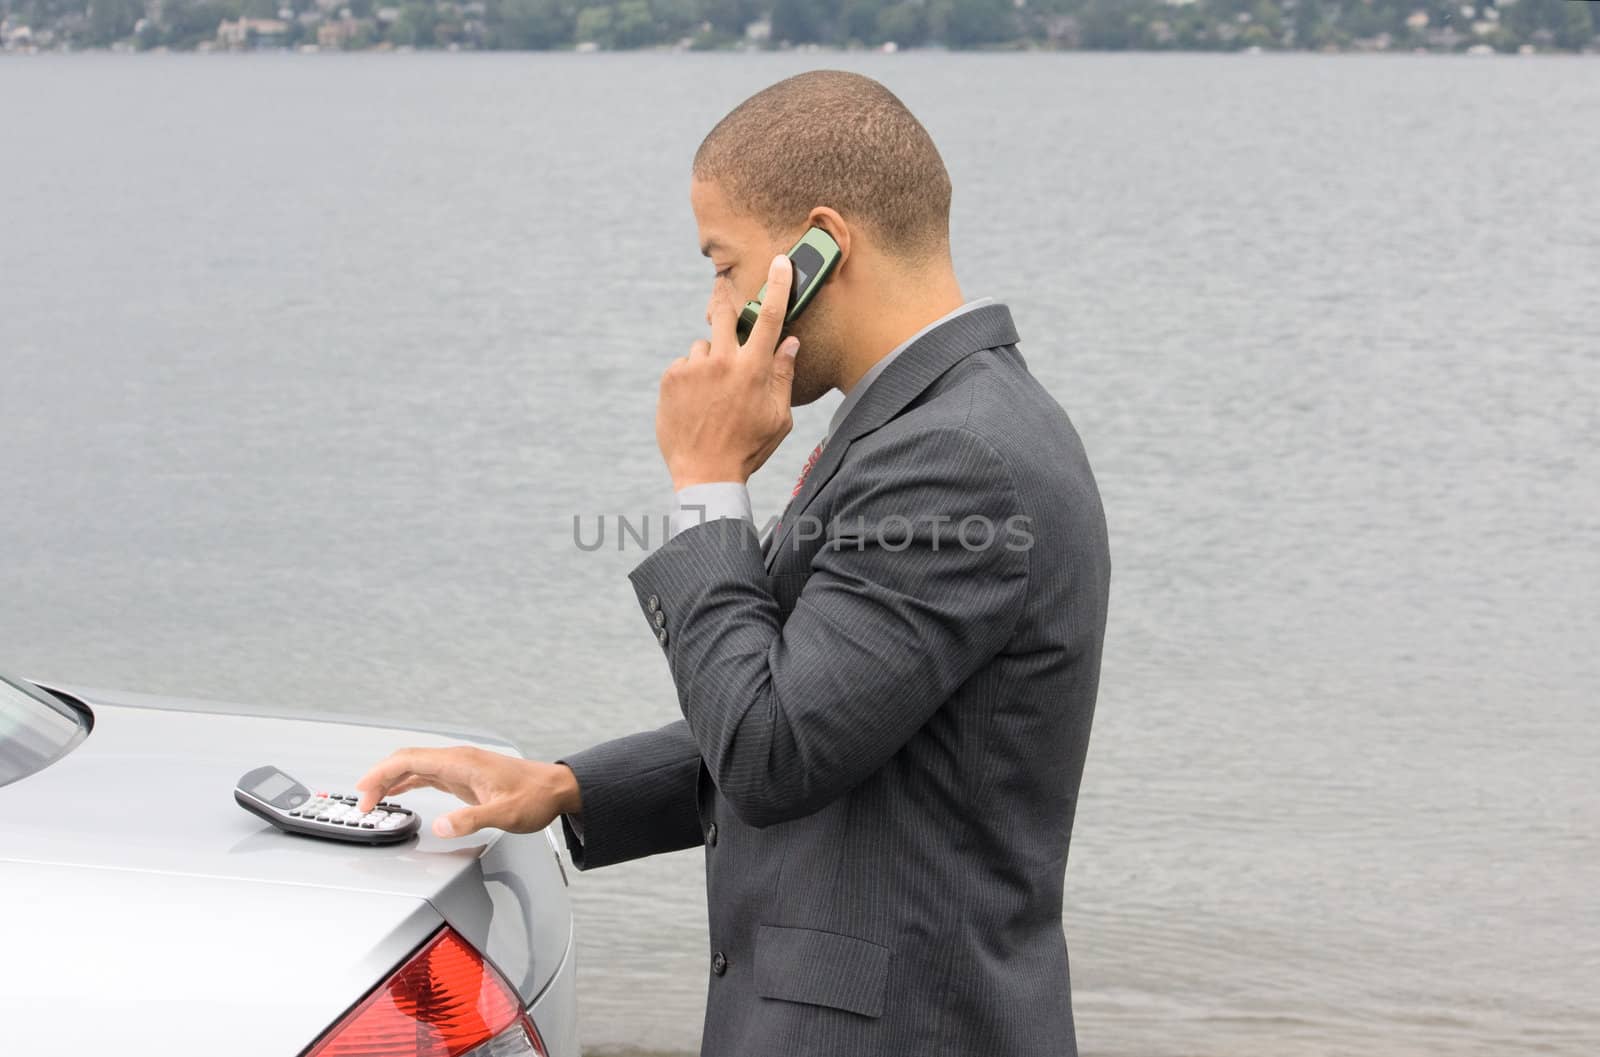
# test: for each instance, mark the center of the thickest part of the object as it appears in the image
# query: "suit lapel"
(917, 367)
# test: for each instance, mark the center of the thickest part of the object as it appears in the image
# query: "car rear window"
(36, 729)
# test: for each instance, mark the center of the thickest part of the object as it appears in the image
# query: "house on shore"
(252, 33)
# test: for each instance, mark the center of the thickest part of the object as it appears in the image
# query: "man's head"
(838, 151)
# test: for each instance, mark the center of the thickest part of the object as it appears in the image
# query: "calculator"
(294, 808)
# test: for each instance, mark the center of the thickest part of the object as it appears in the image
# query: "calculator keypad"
(334, 816)
(340, 810)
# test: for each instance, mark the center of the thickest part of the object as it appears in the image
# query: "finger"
(386, 775)
(433, 768)
(407, 784)
(725, 305)
(402, 784)
(783, 365)
(774, 306)
(700, 348)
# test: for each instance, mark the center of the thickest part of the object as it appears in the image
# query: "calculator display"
(274, 786)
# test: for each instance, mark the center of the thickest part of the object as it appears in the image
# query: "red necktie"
(816, 453)
(800, 482)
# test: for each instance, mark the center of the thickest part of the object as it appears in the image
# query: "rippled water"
(309, 362)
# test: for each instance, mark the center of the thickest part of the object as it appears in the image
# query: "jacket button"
(661, 619)
(661, 636)
(711, 835)
(653, 603)
(719, 964)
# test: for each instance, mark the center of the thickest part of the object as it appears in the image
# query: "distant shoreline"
(1473, 27)
(820, 49)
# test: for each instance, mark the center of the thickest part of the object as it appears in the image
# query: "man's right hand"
(505, 792)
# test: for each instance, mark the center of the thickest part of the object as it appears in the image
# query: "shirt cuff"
(576, 822)
(706, 502)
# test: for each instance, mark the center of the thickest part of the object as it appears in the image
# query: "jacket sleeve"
(919, 581)
(638, 797)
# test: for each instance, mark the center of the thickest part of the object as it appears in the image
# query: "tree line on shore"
(1376, 25)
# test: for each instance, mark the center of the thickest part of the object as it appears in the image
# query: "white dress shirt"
(706, 502)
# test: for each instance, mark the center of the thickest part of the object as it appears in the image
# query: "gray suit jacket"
(885, 720)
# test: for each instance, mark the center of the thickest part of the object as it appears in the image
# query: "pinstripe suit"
(885, 721)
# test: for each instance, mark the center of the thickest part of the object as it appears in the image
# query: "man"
(887, 705)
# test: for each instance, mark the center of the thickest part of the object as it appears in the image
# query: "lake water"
(310, 361)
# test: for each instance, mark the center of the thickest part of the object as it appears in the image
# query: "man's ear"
(829, 220)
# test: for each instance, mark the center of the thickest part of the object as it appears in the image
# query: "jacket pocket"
(821, 969)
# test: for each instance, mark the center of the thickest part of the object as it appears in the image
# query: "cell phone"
(812, 260)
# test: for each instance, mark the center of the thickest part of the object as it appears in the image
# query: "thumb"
(463, 822)
(783, 362)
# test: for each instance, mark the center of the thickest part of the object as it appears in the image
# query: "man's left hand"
(724, 407)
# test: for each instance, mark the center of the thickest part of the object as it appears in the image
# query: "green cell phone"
(813, 259)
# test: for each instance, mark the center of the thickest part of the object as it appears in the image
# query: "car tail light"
(445, 1001)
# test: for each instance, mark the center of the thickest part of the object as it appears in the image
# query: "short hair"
(838, 139)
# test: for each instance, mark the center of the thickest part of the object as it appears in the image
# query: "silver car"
(147, 913)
